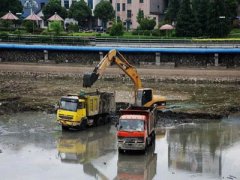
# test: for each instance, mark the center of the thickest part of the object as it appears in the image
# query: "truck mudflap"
(131, 146)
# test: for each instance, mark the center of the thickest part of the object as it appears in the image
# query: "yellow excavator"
(143, 96)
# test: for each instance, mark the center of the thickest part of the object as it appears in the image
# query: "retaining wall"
(158, 57)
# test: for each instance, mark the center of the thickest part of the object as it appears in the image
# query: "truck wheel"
(65, 128)
(120, 151)
(83, 125)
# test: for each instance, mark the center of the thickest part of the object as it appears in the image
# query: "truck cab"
(136, 128)
(72, 110)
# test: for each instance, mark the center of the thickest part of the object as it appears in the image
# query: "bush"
(156, 32)
(117, 29)
(72, 27)
(147, 24)
(147, 33)
(56, 27)
(30, 26)
(4, 35)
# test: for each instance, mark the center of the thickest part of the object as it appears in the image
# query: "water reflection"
(35, 145)
(86, 147)
(140, 166)
(199, 148)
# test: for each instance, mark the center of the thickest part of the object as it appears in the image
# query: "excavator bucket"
(89, 79)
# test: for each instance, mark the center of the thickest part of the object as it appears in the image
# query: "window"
(66, 4)
(129, 1)
(90, 4)
(141, 1)
(129, 13)
(118, 6)
(123, 7)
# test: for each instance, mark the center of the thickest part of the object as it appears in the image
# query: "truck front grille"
(131, 139)
(67, 117)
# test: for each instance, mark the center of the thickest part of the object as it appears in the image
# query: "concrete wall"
(156, 60)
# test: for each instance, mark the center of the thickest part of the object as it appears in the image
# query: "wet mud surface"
(35, 145)
(192, 94)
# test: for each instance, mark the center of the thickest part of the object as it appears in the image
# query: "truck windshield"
(68, 105)
(131, 125)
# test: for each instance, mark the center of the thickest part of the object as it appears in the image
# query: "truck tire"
(83, 125)
(65, 128)
(121, 151)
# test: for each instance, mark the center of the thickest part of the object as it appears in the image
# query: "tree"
(54, 6)
(218, 21)
(14, 6)
(117, 29)
(201, 10)
(104, 11)
(147, 24)
(172, 10)
(80, 12)
(140, 16)
(231, 6)
(186, 21)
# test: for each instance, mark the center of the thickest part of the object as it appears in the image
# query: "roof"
(33, 17)
(55, 17)
(9, 16)
(166, 27)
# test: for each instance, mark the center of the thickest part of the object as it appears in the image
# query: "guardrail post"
(101, 55)
(158, 58)
(45, 55)
(216, 59)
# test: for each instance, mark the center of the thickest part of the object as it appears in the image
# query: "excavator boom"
(112, 57)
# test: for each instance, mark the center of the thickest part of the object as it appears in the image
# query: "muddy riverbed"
(32, 146)
(34, 92)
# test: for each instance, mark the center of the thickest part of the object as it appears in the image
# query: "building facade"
(127, 10)
(91, 3)
(40, 4)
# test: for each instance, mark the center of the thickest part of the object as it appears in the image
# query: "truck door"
(81, 109)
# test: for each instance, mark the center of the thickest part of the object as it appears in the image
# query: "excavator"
(143, 96)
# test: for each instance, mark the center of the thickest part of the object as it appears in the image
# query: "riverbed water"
(33, 146)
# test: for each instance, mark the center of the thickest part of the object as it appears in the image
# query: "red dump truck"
(136, 128)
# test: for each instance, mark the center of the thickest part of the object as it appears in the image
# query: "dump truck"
(85, 109)
(136, 128)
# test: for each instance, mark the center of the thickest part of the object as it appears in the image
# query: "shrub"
(72, 27)
(147, 33)
(30, 26)
(156, 32)
(117, 29)
(56, 27)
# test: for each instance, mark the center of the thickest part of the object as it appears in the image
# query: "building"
(91, 3)
(127, 10)
(40, 4)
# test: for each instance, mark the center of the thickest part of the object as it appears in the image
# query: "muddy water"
(32, 146)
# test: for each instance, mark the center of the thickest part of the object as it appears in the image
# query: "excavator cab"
(143, 96)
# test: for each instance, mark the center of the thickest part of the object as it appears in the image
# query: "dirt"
(191, 93)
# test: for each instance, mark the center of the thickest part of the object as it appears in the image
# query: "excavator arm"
(111, 57)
